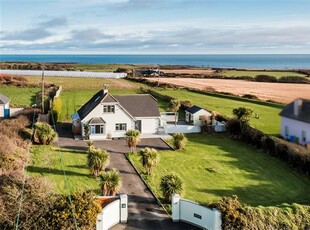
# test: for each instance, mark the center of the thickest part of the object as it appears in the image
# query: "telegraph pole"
(42, 92)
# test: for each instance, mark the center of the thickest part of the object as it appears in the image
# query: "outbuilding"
(195, 114)
(295, 121)
(4, 106)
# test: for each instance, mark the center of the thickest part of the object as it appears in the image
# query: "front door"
(138, 125)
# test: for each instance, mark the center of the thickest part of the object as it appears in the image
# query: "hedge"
(295, 155)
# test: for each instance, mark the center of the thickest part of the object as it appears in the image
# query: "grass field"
(216, 166)
(278, 74)
(268, 122)
(20, 96)
(74, 83)
(102, 67)
(46, 161)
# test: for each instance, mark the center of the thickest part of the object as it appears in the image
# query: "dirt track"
(188, 71)
(280, 92)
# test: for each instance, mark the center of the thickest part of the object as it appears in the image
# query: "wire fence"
(51, 73)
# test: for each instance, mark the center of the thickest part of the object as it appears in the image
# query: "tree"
(242, 113)
(179, 140)
(97, 160)
(174, 105)
(170, 184)
(133, 139)
(149, 158)
(44, 133)
(110, 182)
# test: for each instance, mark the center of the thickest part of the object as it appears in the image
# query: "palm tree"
(149, 158)
(110, 182)
(179, 140)
(170, 184)
(133, 139)
(97, 160)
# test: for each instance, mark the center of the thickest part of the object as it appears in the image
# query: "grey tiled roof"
(4, 99)
(194, 109)
(304, 114)
(138, 105)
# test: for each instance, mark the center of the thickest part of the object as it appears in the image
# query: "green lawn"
(46, 161)
(278, 74)
(216, 166)
(20, 96)
(268, 122)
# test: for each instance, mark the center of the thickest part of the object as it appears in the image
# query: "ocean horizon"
(268, 61)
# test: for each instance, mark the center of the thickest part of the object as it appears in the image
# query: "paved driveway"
(144, 212)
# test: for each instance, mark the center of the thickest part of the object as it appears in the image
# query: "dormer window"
(109, 109)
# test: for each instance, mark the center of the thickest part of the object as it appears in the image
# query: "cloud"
(54, 22)
(39, 31)
(89, 35)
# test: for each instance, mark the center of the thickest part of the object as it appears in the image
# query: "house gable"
(303, 114)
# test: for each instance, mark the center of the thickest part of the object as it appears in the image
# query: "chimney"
(297, 107)
(105, 88)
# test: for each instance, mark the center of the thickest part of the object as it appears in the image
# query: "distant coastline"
(268, 61)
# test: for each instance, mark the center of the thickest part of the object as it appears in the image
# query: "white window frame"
(109, 109)
(121, 127)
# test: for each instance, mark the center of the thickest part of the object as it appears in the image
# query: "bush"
(57, 106)
(171, 184)
(293, 79)
(238, 216)
(60, 214)
(179, 140)
(234, 126)
(250, 96)
(44, 134)
(265, 78)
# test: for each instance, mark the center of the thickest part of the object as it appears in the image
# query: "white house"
(111, 116)
(195, 114)
(4, 106)
(295, 121)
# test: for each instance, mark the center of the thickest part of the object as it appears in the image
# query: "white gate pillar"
(123, 208)
(175, 203)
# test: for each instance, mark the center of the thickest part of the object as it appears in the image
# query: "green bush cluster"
(295, 155)
(60, 213)
(57, 106)
(238, 216)
(44, 133)
(293, 79)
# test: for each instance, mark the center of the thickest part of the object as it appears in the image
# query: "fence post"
(175, 203)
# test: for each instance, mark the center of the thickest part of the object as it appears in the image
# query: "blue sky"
(155, 26)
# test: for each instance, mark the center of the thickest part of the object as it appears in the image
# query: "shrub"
(97, 160)
(238, 216)
(186, 104)
(174, 105)
(179, 140)
(250, 96)
(57, 106)
(234, 126)
(265, 78)
(149, 158)
(110, 182)
(60, 214)
(293, 79)
(242, 113)
(170, 184)
(44, 134)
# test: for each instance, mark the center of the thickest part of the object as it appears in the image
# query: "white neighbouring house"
(111, 116)
(4, 106)
(194, 114)
(295, 121)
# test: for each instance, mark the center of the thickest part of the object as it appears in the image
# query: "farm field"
(24, 97)
(269, 119)
(213, 166)
(253, 73)
(45, 161)
(188, 71)
(75, 83)
(279, 92)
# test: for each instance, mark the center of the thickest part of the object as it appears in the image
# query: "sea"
(262, 61)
